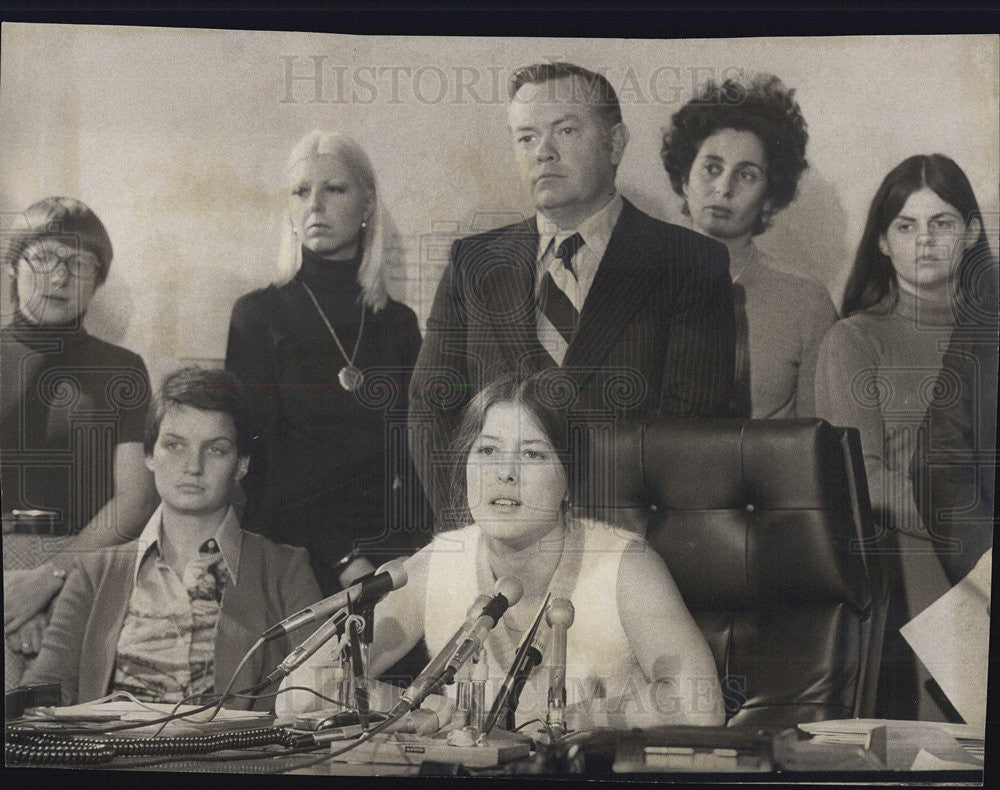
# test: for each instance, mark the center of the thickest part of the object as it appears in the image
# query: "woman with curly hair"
(735, 154)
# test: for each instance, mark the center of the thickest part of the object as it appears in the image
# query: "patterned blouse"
(166, 648)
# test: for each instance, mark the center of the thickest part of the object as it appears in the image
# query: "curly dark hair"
(762, 106)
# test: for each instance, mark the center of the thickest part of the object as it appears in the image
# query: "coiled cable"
(26, 746)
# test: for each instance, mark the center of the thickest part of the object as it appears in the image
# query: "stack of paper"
(858, 732)
(199, 722)
(952, 639)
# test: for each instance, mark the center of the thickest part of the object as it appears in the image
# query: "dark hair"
(765, 108)
(873, 278)
(65, 218)
(200, 388)
(541, 394)
(597, 90)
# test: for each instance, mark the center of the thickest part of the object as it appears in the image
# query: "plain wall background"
(178, 138)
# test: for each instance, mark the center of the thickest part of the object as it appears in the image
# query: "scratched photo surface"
(179, 141)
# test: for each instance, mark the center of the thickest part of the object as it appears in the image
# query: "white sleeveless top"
(599, 658)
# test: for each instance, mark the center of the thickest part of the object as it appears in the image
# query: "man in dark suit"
(629, 315)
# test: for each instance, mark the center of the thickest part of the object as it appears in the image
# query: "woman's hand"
(26, 593)
(434, 713)
(28, 638)
(418, 722)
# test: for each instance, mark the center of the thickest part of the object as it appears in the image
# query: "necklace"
(350, 377)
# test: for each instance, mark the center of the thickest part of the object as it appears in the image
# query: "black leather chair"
(763, 525)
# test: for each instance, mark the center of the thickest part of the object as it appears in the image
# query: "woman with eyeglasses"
(73, 411)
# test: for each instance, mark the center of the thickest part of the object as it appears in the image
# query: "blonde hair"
(375, 249)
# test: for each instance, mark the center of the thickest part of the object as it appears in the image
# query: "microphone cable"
(302, 741)
(26, 746)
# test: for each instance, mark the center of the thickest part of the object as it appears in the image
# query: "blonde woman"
(326, 357)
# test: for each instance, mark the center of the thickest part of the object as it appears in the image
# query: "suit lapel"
(507, 284)
(240, 617)
(100, 643)
(624, 278)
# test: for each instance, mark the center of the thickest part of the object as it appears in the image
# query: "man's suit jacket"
(81, 642)
(656, 335)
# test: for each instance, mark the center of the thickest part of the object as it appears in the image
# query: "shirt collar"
(228, 535)
(595, 229)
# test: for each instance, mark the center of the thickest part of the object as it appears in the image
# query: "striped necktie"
(556, 311)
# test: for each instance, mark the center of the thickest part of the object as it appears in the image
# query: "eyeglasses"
(78, 266)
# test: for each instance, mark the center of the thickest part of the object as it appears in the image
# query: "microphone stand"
(559, 617)
(531, 660)
(356, 625)
(515, 674)
(367, 637)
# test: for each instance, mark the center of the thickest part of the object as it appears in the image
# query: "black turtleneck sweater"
(335, 286)
(68, 399)
(330, 469)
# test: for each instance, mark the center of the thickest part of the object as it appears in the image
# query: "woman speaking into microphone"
(634, 655)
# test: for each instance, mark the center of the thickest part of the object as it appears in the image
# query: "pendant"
(350, 378)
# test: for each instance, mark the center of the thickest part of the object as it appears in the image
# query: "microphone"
(313, 642)
(432, 674)
(508, 591)
(368, 589)
(396, 574)
(532, 659)
(559, 617)
(529, 655)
